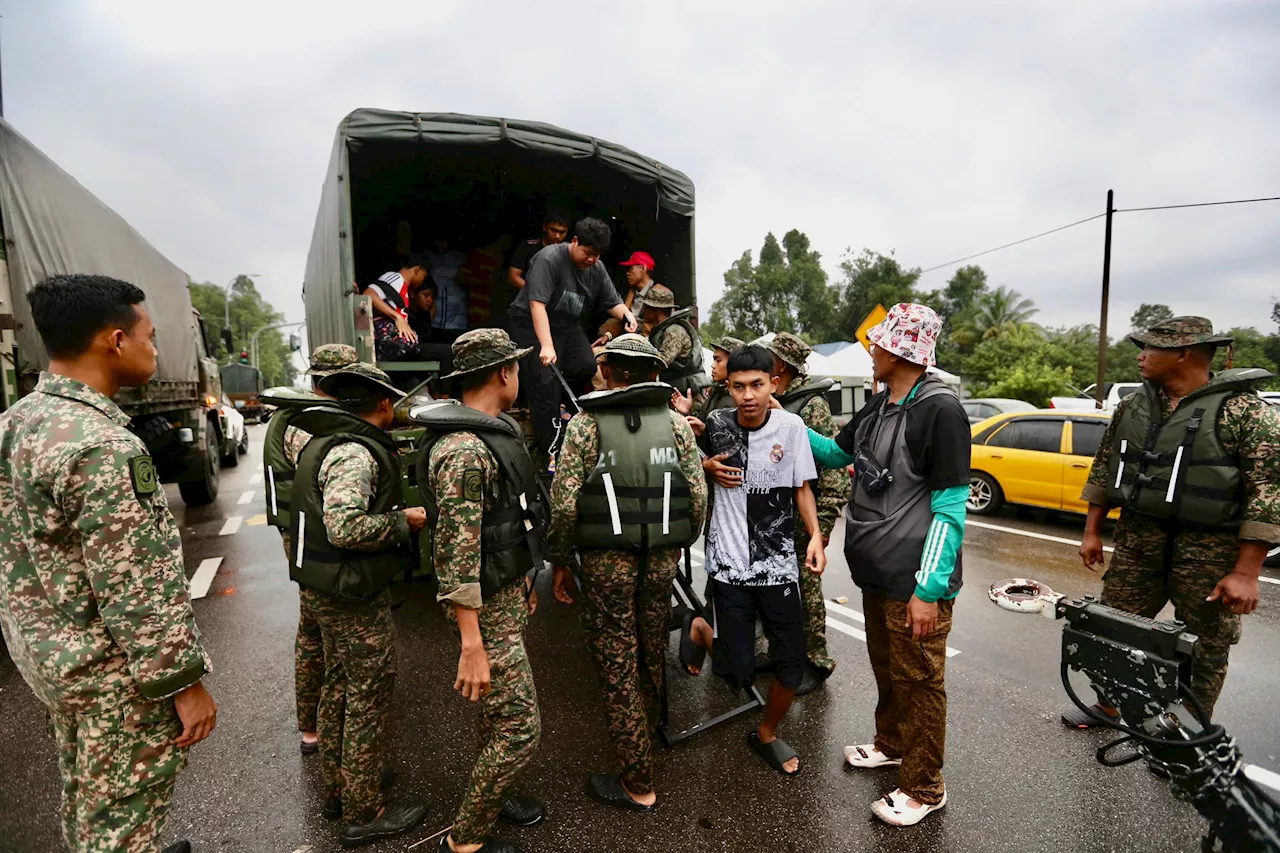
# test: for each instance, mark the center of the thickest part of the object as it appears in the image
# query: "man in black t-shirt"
(565, 283)
(554, 229)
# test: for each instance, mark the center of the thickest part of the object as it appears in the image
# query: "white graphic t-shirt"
(752, 537)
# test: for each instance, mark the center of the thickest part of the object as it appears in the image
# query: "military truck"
(242, 384)
(50, 224)
(399, 181)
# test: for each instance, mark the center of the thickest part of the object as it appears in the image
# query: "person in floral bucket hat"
(904, 526)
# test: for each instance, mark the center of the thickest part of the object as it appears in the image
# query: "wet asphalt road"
(1017, 780)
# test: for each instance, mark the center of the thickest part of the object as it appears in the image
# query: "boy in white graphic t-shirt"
(761, 466)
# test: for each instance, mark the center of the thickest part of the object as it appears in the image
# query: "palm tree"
(1004, 310)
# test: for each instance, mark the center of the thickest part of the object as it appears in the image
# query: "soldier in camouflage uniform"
(790, 355)
(716, 395)
(1208, 567)
(93, 593)
(357, 630)
(466, 480)
(308, 648)
(627, 611)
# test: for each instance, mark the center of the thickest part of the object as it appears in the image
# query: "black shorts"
(779, 608)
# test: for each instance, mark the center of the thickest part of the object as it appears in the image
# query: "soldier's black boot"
(183, 846)
(395, 819)
(522, 811)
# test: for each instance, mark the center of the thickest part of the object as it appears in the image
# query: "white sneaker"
(893, 809)
(866, 756)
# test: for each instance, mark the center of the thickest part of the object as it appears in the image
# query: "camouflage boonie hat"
(790, 349)
(632, 345)
(330, 357)
(727, 343)
(357, 380)
(1181, 332)
(481, 348)
(659, 296)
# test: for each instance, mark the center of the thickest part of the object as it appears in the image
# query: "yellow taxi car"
(1039, 458)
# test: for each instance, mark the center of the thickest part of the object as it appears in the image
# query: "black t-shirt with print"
(937, 433)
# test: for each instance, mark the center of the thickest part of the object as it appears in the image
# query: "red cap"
(639, 259)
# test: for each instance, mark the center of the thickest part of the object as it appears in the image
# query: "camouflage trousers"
(815, 613)
(1143, 587)
(308, 662)
(118, 771)
(911, 711)
(359, 656)
(628, 628)
(510, 726)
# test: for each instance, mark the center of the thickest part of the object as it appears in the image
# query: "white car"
(237, 436)
(1116, 392)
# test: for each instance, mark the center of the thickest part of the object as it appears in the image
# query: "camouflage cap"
(358, 380)
(727, 343)
(659, 296)
(632, 345)
(790, 349)
(330, 357)
(481, 348)
(1181, 332)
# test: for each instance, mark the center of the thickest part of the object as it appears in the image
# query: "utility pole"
(253, 347)
(1099, 390)
(226, 297)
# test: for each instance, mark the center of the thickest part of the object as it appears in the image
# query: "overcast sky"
(934, 130)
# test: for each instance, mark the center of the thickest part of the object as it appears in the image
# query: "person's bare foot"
(702, 636)
(310, 737)
(643, 799)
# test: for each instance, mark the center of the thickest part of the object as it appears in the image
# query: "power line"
(1197, 204)
(1014, 243)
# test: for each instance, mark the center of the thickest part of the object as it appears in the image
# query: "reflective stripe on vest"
(1178, 469)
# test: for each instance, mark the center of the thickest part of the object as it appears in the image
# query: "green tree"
(867, 280)
(1004, 310)
(785, 292)
(1032, 381)
(957, 304)
(1251, 349)
(1148, 315)
(249, 312)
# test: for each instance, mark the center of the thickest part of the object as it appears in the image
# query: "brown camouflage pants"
(359, 655)
(308, 661)
(1141, 587)
(510, 726)
(118, 772)
(628, 631)
(911, 714)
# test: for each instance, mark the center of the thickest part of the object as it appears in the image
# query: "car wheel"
(1273, 557)
(244, 442)
(985, 496)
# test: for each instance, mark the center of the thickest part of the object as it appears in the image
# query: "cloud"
(932, 129)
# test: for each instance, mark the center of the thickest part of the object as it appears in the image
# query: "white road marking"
(1027, 533)
(1266, 579)
(255, 480)
(232, 525)
(858, 633)
(203, 577)
(697, 553)
(247, 498)
(1262, 776)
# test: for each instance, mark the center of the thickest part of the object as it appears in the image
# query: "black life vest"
(686, 372)
(277, 470)
(795, 399)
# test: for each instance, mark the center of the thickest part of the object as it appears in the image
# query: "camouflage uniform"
(1156, 562)
(359, 639)
(628, 628)
(832, 493)
(94, 607)
(675, 343)
(510, 726)
(717, 394)
(308, 647)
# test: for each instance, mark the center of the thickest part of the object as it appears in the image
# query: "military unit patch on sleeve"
(143, 473)
(472, 484)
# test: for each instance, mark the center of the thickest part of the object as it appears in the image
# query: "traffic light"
(244, 356)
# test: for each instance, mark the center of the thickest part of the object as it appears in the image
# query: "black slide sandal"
(776, 752)
(691, 654)
(608, 791)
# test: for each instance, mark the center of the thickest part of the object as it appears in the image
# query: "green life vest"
(277, 470)
(718, 398)
(686, 372)
(510, 534)
(315, 562)
(1177, 469)
(795, 399)
(636, 498)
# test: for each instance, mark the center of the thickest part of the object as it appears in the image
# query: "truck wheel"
(205, 490)
(985, 495)
(244, 443)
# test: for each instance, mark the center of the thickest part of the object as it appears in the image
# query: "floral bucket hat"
(909, 331)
